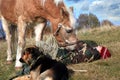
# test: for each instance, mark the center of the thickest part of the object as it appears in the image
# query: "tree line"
(90, 21)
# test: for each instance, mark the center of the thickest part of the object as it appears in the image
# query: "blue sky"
(103, 9)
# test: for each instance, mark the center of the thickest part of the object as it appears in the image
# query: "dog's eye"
(28, 49)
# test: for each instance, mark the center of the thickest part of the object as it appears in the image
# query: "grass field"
(108, 69)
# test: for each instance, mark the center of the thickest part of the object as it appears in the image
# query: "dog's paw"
(25, 77)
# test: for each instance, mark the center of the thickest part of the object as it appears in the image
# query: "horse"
(25, 12)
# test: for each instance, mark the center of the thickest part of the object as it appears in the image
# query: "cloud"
(79, 6)
(103, 9)
(106, 10)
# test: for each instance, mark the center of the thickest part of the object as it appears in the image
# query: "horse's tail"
(14, 38)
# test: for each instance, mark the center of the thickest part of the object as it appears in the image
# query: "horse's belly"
(7, 9)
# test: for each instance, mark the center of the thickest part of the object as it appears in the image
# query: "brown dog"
(42, 67)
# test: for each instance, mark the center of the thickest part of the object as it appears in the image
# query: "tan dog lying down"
(42, 67)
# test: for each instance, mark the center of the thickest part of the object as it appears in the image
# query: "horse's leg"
(21, 41)
(39, 32)
(8, 38)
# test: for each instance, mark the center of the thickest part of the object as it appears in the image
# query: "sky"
(103, 9)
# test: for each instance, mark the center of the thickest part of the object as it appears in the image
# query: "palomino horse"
(24, 12)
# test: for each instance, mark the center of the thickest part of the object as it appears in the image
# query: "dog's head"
(30, 54)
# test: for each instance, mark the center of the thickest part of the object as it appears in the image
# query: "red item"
(104, 52)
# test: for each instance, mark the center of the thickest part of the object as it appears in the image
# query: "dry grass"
(108, 69)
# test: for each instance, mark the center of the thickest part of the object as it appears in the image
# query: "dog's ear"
(32, 49)
(36, 47)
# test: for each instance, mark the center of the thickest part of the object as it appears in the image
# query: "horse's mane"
(55, 1)
(42, 2)
(72, 19)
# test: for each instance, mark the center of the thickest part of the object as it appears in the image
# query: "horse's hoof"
(18, 68)
(9, 62)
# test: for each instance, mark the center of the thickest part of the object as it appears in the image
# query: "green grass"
(108, 69)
